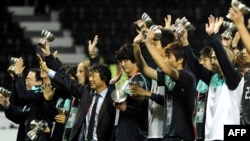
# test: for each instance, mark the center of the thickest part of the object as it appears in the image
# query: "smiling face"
(95, 81)
(215, 64)
(129, 67)
(99, 77)
(31, 81)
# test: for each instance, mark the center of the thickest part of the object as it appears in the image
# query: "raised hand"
(184, 38)
(19, 66)
(168, 21)
(210, 25)
(48, 91)
(43, 65)
(92, 46)
(236, 16)
(218, 22)
(117, 77)
(46, 48)
(139, 38)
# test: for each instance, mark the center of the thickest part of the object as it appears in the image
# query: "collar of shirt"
(103, 93)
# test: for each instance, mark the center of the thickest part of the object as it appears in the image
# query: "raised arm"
(141, 63)
(224, 58)
(50, 58)
(238, 20)
(61, 79)
(93, 51)
(193, 61)
(159, 60)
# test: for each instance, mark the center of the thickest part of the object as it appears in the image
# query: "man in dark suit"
(99, 77)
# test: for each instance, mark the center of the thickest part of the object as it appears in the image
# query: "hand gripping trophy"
(241, 6)
(11, 68)
(46, 35)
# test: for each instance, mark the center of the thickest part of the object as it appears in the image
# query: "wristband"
(19, 75)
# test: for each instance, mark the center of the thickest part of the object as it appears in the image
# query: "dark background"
(112, 20)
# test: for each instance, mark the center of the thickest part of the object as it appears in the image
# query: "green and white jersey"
(223, 107)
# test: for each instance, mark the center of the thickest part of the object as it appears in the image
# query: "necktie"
(92, 119)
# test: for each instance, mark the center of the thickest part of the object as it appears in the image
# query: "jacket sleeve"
(159, 99)
(17, 114)
(193, 62)
(52, 63)
(71, 85)
(27, 95)
(232, 76)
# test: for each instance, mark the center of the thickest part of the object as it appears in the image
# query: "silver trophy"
(13, 61)
(37, 127)
(156, 30)
(242, 7)
(229, 25)
(5, 92)
(180, 25)
(145, 19)
(227, 34)
(230, 28)
(118, 96)
(46, 35)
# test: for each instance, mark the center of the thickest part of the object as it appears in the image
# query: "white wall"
(8, 129)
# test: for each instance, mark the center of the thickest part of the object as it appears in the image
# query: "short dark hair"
(177, 50)
(126, 52)
(71, 70)
(37, 72)
(167, 36)
(103, 70)
(206, 51)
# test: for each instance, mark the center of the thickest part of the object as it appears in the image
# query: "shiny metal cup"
(5, 92)
(118, 96)
(242, 7)
(46, 35)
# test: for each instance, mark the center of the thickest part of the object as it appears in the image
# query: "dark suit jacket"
(16, 114)
(106, 118)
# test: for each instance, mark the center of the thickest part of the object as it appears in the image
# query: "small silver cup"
(46, 35)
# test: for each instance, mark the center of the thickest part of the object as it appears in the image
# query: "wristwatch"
(6, 107)
(19, 75)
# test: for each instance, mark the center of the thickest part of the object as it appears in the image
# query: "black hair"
(167, 36)
(37, 72)
(177, 50)
(206, 51)
(126, 52)
(103, 70)
(71, 70)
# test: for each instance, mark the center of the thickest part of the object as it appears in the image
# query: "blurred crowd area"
(112, 20)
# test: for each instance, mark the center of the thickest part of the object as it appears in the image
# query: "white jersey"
(155, 113)
(223, 108)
